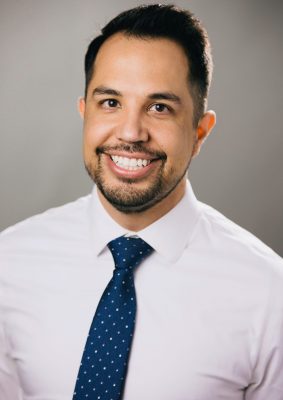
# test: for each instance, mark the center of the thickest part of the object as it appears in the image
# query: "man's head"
(144, 108)
(164, 21)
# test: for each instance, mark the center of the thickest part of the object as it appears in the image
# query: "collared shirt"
(209, 322)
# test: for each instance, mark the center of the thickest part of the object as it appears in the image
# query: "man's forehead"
(123, 60)
(126, 44)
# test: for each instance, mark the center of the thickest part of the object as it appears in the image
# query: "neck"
(140, 220)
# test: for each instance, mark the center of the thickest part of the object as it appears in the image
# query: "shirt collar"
(168, 236)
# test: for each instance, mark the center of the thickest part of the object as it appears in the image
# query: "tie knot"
(129, 252)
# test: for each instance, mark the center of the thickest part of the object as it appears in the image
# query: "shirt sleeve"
(268, 371)
(9, 386)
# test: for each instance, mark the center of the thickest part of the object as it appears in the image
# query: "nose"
(132, 127)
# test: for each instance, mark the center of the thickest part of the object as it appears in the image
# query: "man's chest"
(187, 345)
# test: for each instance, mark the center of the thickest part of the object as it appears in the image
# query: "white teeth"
(126, 161)
(130, 163)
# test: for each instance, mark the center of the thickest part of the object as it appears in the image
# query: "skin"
(139, 105)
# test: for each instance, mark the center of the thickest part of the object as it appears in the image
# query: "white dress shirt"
(210, 305)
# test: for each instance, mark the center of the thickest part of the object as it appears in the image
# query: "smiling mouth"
(130, 164)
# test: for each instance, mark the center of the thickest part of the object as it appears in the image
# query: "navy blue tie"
(104, 362)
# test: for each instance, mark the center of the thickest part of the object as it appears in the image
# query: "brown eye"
(111, 103)
(160, 108)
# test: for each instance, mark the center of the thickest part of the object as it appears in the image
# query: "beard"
(126, 197)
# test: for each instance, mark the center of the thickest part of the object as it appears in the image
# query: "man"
(202, 309)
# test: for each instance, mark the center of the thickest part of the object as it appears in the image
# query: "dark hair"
(164, 21)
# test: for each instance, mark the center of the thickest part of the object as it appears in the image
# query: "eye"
(109, 103)
(160, 108)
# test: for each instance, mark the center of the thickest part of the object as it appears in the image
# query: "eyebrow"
(106, 90)
(102, 90)
(165, 96)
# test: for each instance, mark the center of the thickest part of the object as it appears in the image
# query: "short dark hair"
(170, 22)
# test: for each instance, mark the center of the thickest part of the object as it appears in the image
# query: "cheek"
(177, 145)
(94, 132)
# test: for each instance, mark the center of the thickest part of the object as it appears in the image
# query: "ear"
(81, 106)
(205, 126)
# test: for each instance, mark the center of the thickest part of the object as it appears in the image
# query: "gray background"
(239, 170)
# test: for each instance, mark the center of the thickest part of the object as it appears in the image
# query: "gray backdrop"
(239, 170)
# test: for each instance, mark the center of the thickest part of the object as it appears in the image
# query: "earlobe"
(204, 128)
(81, 106)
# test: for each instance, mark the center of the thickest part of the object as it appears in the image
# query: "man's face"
(138, 122)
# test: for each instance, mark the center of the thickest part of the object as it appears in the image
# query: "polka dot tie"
(104, 363)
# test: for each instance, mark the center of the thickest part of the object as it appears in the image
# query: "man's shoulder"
(50, 223)
(229, 240)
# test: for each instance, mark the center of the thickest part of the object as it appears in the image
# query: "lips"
(134, 167)
(131, 161)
